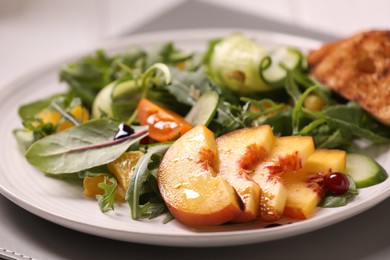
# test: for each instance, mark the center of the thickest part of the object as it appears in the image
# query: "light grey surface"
(193, 14)
(366, 236)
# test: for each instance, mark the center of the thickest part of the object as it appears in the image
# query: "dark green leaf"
(351, 120)
(143, 184)
(87, 76)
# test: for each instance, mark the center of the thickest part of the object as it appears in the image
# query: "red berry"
(337, 183)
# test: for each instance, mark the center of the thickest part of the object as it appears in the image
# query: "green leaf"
(350, 120)
(296, 113)
(24, 138)
(106, 201)
(188, 86)
(82, 147)
(166, 53)
(210, 50)
(29, 111)
(88, 75)
(332, 201)
(125, 96)
(142, 194)
(292, 88)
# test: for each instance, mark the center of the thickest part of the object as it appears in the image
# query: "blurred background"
(37, 32)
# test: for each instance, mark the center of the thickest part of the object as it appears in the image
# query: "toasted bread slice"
(358, 68)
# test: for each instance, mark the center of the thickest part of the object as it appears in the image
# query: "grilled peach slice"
(240, 152)
(305, 188)
(189, 184)
(288, 154)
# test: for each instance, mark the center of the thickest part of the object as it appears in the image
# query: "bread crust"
(358, 68)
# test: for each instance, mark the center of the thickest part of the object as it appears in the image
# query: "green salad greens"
(71, 135)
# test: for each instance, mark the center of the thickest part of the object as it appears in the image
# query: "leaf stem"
(65, 114)
(149, 72)
(112, 142)
(144, 83)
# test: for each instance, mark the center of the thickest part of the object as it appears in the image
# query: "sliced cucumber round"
(233, 63)
(273, 68)
(364, 170)
(204, 109)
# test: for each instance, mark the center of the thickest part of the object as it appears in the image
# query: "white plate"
(64, 203)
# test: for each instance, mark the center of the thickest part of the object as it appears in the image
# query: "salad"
(121, 113)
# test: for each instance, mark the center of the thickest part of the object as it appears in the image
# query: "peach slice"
(240, 152)
(288, 154)
(305, 188)
(189, 184)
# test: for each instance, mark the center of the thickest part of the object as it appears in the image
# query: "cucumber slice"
(274, 66)
(234, 62)
(364, 170)
(102, 103)
(204, 109)
(118, 99)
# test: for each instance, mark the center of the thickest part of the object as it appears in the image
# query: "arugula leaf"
(82, 147)
(142, 195)
(130, 63)
(166, 53)
(350, 120)
(280, 122)
(87, 76)
(228, 118)
(188, 86)
(106, 201)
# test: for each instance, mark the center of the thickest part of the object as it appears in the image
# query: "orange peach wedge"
(189, 184)
(240, 152)
(288, 154)
(305, 188)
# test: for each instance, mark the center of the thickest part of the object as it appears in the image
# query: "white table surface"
(33, 33)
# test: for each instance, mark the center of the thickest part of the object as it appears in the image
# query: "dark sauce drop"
(273, 225)
(123, 131)
(276, 225)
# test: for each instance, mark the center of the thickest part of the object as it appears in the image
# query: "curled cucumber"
(273, 68)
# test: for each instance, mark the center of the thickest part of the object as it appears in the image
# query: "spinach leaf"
(33, 115)
(142, 195)
(30, 110)
(82, 147)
